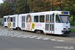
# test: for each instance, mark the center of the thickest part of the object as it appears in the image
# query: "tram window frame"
(4, 19)
(36, 18)
(58, 19)
(42, 19)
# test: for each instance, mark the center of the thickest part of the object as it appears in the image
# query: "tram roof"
(40, 13)
(46, 12)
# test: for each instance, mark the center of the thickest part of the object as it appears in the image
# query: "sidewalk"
(72, 27)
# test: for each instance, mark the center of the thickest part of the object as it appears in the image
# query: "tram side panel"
(13, 21)
(38, 23)
(19, 21)
(26, 22)
(58, 28)
(22, 21)
(62, 28)
(5, 21)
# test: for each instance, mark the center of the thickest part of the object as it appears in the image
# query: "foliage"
(39, 5)
(69, 5)
(21, 6)
(1, 24)
(72, 30)
(5, 9)
(25, 6)
(71, 18)
(42, 5)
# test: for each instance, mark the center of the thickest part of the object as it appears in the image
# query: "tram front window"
(64, 19)
(57, 19)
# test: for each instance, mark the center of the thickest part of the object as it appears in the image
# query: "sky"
(1, 1)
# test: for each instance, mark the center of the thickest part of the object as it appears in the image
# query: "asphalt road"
(23, 40)
(14, 43)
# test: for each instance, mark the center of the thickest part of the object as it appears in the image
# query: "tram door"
(49, 24)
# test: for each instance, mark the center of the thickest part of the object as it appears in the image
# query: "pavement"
(16, 43)
(23, 40)
(31, 35)
(72, 27)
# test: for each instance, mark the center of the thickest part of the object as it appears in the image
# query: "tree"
(45, 5)
(21, 6)
(39, 5)
(69, 5)
(5, 9)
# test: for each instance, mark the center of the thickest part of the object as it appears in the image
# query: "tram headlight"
(64, 28)
(69, 28)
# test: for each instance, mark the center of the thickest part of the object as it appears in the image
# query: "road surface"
(23, 40)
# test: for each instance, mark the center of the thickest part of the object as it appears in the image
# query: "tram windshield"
(62, 19)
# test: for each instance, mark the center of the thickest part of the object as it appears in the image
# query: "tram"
(49, 22)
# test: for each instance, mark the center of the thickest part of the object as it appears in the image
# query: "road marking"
(53, 39)
(33, 37)
(45, 38)
(26, 36)
(61, 40)
(39, 37)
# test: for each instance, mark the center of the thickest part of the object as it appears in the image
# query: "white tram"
(50, 22)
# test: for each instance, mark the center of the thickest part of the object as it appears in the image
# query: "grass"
(1, 24)
(72, 30)
(71, 23)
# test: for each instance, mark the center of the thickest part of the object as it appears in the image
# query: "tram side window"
(57, 19)
(4, 19)
(23, 18)
(47, 18)
(52, 19)
(52, 27)
(35, 18)
(42, 18)
(11, 19)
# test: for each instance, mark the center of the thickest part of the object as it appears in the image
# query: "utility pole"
(26, 7)
(51, 5)
(14, 6)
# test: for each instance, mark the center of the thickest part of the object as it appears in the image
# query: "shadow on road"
(70, 35)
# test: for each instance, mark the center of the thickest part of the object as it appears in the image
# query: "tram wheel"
(38, 32)
(44, 33)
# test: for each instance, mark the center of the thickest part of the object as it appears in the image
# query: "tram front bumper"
(66, 31)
